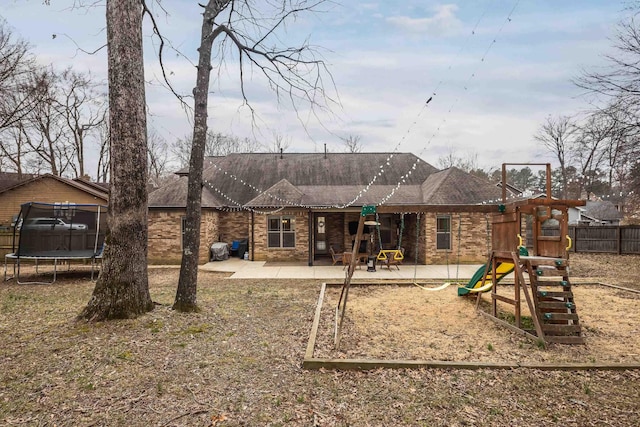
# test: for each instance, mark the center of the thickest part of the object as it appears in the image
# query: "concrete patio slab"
(242, 269)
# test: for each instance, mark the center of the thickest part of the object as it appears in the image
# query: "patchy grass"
(237, 362)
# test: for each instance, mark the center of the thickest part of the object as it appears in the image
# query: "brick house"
(16, 190)
(294, 207)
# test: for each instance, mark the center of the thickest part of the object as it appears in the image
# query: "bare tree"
(82, 107)
(557, 135)
(621, 79)
(18, 79)
(467, 163)
(104, 142)
(217, 144)
(279, 143)
(352, 143)
(158, 157)
(12, 149)
(249, 31)
(590, 150)
(122, 289)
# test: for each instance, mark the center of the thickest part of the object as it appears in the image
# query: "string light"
(387, 161)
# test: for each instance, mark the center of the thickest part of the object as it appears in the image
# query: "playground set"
(541, 255)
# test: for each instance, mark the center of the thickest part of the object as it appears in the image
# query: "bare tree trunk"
(122, 290)
(287, 69)
(186, 295)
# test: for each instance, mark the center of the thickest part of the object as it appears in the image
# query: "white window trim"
(281, 232)
(438, 233)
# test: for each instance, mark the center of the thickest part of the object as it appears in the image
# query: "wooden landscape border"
(314, 363)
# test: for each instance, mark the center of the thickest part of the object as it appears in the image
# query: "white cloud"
(442, 22)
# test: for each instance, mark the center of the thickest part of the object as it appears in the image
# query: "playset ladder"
(555, 307)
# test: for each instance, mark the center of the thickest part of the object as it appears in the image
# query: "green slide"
(476, 284)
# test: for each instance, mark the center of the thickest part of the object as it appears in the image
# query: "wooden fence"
(6, 243)
(610, 239)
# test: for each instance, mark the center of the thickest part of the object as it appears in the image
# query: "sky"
(494, 70)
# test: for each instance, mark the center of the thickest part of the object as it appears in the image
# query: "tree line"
(596, 151)
(53, 121)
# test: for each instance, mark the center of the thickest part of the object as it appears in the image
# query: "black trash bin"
(243, 247)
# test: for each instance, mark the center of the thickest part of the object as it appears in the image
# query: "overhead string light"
(423, 108)
(403, 178)
(387, 161)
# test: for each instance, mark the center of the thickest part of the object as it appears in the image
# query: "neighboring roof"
(100, 186)
(90, 189)
(603, 210)
(332, 179)
(9, 179)
(453, 186)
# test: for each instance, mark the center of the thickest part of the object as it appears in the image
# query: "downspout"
(253, 242)
(310, 238)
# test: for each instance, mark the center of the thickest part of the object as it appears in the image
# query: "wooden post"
(342, 302)
(619, 239)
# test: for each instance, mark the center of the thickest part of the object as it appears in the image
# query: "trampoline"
(57, 233)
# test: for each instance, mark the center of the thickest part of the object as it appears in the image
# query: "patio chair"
(335, 258)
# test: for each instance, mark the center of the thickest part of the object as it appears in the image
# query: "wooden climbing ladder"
(555, 308)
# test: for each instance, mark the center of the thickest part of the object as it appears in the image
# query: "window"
(443, 232)
(281, 232)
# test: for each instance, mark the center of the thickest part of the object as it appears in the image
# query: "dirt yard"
(409, 323)
(238, 362)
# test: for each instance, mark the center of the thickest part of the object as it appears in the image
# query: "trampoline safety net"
(60, 230)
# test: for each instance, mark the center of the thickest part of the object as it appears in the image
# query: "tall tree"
(249, 30)
(217, 144)
(122, 289)
(82, 108)
(352, 143)
(18, 78)
(557, 135)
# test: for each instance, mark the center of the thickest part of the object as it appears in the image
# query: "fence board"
(6, 243)
(609, 239)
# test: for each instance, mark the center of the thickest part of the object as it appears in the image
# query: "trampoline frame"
(94, 255)
(17, 258)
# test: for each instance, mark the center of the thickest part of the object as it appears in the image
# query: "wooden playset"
(528, 237)
(543, 255)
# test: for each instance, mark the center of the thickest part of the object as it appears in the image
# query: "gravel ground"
(238, 363)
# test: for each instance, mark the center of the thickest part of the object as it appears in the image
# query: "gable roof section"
(453, 186)
(100, 186)
(10, 179)
(90, 189)
(242, 177)
(283, 192)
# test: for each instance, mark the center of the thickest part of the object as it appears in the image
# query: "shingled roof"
(10, 179)
(454, 186)
(318, 179)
